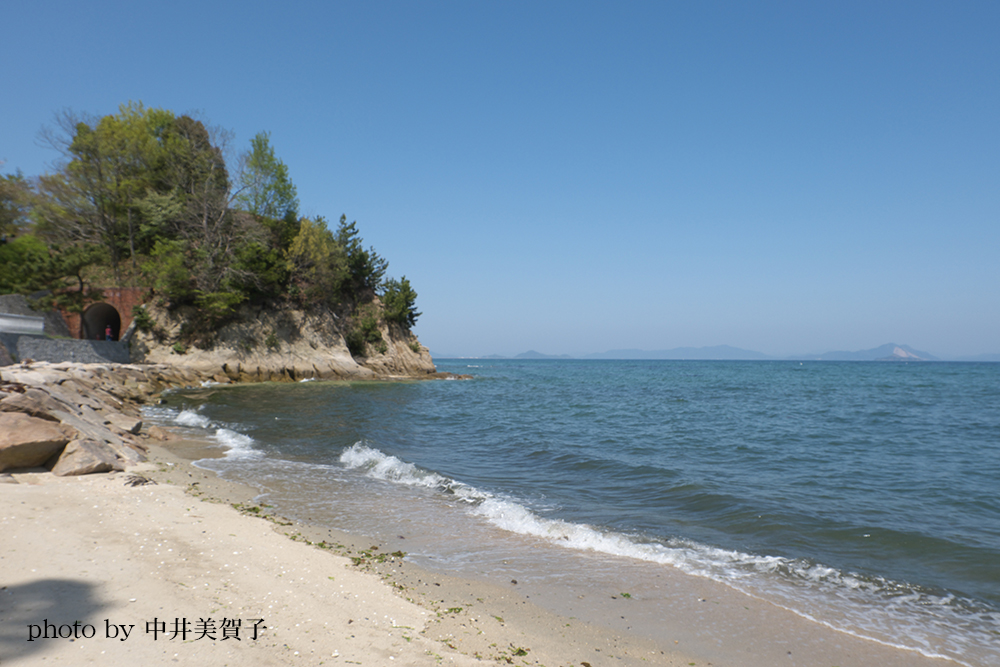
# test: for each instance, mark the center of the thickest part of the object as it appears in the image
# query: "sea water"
(861, 495)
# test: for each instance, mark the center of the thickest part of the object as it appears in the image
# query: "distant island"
(531, 354)
(721, 352)
(891, 352)
(887, 352)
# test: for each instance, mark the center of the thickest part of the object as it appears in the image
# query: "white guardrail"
(22, 324)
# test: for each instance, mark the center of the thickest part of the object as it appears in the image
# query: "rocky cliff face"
(262, 344)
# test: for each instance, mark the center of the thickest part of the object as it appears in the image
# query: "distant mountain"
(531, 354)
(887, 352)
(717, 352)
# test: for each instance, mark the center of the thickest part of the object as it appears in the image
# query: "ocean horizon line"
(886, 352)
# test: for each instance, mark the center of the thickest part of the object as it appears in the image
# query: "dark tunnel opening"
(96, 320)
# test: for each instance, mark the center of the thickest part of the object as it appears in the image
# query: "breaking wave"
(194, 424)
(871, 607)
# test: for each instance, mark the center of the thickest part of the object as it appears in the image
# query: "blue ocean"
(861, 495)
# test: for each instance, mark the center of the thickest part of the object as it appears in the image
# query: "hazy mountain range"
(887, 352)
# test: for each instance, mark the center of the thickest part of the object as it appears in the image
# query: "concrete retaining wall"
(40, 348)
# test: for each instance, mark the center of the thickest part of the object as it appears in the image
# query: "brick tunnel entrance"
(96, 320)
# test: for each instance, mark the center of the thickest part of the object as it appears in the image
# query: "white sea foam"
(512, 516)
(238, 445)
(380, 465)
(193, 419)
(801, 586)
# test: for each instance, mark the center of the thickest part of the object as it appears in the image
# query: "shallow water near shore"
(859, 495)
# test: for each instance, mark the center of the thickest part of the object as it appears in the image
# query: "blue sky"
(577, 177)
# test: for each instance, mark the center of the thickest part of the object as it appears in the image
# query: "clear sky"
(574, 177)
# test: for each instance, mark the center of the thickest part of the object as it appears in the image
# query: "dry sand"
(99, 552)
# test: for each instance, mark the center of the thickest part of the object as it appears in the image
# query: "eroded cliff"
(264, 344)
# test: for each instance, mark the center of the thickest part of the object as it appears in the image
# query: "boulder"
(27, 441)
(129, 454)
(87, 426)
(26, 374)
(69, 391)
(34, 402)
(124, 422)
(83, 457)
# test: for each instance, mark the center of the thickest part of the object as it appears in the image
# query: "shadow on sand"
(56, 601)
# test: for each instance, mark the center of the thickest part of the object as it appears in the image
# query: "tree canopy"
(267, 190)
(145, 198)
(14, 203)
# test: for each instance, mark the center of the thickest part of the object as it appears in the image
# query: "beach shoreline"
(194, 546)
(182, 548)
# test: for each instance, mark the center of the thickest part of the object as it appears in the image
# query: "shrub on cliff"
(363, 332)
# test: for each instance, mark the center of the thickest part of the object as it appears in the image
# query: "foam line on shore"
(869, 607)
(237, 445)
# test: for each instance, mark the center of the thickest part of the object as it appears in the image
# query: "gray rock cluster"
(77, 419)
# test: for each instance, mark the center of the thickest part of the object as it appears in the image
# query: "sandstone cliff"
(263, 344)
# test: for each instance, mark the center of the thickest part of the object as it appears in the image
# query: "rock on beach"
(27, 441)
(78, 418)
(83, 457)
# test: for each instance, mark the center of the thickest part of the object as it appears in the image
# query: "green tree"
(194, 171)
(64, 277)
(266, 189)
(137, 176)
(365, 267)
(25, 265)
(194, 165)
(28, 264)
(399, 301)
(146, 184)
(15, 198)
(159, 216)
(117, 160)
(318, 263)
(168, 271)
(259, 271)
(72, 262)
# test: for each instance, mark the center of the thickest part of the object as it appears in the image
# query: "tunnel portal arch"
(96, 320)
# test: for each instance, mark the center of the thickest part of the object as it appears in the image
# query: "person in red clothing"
(107, 333)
